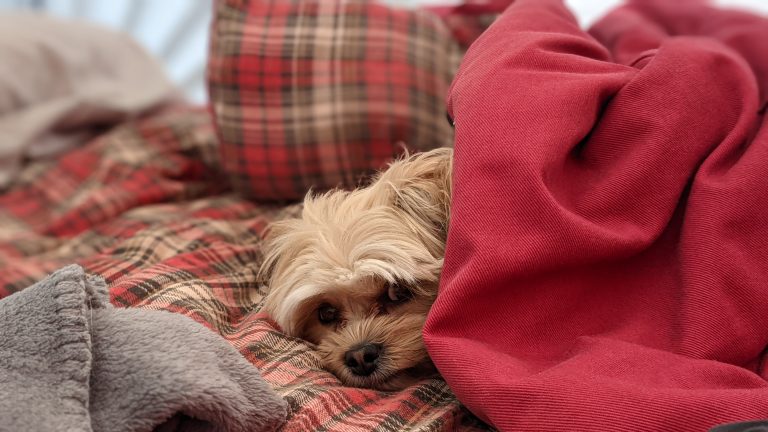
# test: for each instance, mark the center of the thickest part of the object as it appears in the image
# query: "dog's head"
(358, 272)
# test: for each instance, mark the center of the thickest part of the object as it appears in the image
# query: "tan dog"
(358, 272)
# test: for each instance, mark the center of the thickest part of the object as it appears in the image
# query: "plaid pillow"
(319, 93)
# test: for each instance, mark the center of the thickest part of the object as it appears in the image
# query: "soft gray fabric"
(71, 362)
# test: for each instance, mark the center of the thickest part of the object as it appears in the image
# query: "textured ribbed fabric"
(607, 260)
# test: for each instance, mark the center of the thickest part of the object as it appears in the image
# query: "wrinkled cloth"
(606, 264)
(63, 81)
(71, 362)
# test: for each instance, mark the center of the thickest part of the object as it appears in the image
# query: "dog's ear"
(275, 248)
(420, 186)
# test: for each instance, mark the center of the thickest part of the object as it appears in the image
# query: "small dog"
(358, 272)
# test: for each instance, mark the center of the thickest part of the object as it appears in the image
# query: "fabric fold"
(71, 362)
(605, 265)
(78, 79)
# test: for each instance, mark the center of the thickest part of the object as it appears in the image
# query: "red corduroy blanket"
(607, 262)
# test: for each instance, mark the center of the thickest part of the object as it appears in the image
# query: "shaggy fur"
(373, 256)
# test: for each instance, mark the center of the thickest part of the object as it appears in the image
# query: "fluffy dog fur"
(370, 259)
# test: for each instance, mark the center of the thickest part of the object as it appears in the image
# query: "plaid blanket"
(144, 205)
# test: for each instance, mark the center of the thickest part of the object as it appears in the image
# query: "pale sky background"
(176, 31)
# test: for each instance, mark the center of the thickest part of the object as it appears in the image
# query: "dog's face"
(358, 272)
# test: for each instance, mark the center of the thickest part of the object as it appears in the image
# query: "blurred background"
(176, 31)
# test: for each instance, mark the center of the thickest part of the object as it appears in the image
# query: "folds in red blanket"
(607, 262)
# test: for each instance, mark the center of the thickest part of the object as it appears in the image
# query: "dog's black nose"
(363, 359)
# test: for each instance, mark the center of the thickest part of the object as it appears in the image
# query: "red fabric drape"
(607, 259)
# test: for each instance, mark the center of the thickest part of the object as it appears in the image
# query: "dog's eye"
(327, 314)
(398, 293)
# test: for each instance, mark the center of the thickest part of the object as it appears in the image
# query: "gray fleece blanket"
(71, 362)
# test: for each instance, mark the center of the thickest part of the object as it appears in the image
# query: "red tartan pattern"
(145, 207)
(319, 94)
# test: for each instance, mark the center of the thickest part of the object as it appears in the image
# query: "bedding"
(69, 361)
(145, 200)
(606, 261)
(62, 82)
(319, 94)
(147, 207)
(467, 20)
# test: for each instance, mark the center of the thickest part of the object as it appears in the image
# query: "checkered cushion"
(319, 93)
